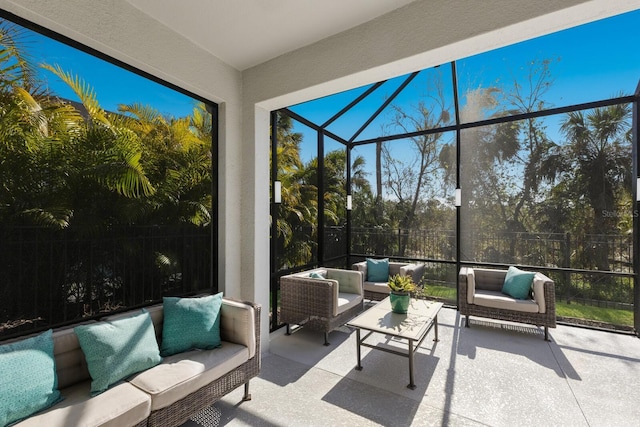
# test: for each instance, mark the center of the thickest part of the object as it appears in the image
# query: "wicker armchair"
(320, 303)
(480, 295)
(377, 291)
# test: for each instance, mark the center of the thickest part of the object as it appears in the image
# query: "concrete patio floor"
(494, 373)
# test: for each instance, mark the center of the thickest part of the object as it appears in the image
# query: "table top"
(413, 325)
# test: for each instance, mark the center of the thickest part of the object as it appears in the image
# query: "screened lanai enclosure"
(104, 206)
(484, 161)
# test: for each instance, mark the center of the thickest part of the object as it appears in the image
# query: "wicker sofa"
(480, 295)
(166, 394)
(322, 303)
(377, 291)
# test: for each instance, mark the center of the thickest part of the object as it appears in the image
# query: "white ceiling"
(244, 33)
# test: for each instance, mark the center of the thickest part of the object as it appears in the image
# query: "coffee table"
(413, 327)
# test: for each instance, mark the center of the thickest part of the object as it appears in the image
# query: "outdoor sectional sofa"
(480, 294)
(167, 394)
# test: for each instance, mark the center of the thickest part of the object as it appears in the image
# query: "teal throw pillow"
(191, 323)
(316, 275)
(28, 379)
(377, 270)
(517, 283)
(118, 348)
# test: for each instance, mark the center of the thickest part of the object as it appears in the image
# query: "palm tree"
(297, 214)
(115, 149)
(176, 156)
(595, 165)
(32, 127)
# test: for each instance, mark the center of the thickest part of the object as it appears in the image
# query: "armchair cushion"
(349, 289)
(348, 282)
(471, 284)
(497, 300)
(377, 270)
(347, 301)
(538, 291)
(407, 269)
(517, 283)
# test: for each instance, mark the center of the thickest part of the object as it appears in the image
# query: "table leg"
(359, 366)
(412, 384)
(436, 328)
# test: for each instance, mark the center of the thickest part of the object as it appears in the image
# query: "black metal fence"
(53, 277)
(424, 244)
(572, 261)
(560, 250)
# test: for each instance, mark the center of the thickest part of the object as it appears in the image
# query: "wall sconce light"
(638, 190)
(277, 192)
(349, 202)
(458, 198)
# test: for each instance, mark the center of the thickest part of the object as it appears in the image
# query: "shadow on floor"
(516, 339)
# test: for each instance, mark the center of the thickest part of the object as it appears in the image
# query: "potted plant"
(401, 288)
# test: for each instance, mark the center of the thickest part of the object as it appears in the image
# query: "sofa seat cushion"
(121, 405)
(183, 373)
(347, 300)
(499, 300)
(380, 287)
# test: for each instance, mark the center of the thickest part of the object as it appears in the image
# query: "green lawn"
(599, 314)
(573, 310)
(440, 292)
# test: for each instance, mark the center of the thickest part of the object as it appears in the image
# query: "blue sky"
(591, 62)
(112, 85)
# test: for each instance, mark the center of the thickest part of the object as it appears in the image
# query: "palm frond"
(146, 119)
(16, 67)
(83, 90)
(119, 167)
(52, 218)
